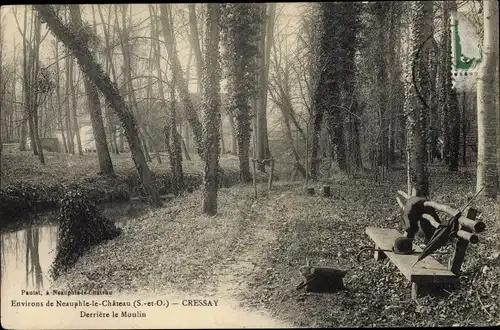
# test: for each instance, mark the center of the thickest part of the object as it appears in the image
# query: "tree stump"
(326, 191)
(310, 191)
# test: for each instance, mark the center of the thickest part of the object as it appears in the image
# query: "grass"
(19, 166)
(28, 186)
(170, 246)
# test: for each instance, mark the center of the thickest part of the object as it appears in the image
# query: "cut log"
(441, 207)
(472, 238)
(473, 225)
(431, 220)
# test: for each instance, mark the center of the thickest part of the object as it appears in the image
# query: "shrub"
(81, 226)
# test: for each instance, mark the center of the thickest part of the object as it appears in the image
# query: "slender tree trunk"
(464, 128)
(211, 105)
(36, 102)
(76, 127)
(234, 142)
(195, 43)
(68, 104)
(105, 164)
(24, 132)
(181, 83)
(175, 146)
(262, 144)
(222, 144)
(95, 73)
(487, 121)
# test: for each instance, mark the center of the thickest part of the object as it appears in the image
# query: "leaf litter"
(252, 250)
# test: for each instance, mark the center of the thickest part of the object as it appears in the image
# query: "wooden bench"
(426, 275)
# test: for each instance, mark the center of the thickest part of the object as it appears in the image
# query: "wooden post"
(458, 257)
(415, 290)
(270, 182)
(254, 180)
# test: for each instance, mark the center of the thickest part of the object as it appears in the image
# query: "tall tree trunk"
(446, 79)
(222, 144)
(110, 120)
(314, 136)
(76, 127)
(95, 73)
(68, 80)
(109, 60)
(127, 77)
(195, 43)
(487, 121)
(211, 106)
(464, 128)
(181, 83)
(241, 22)
(175, 145)
(35, 93)
(234, 142)
(453, 110)
(105, 164)
(262, 144)
(421, 24)
(24, 132)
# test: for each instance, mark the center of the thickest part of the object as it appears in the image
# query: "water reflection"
(26, 257)
(27, 253)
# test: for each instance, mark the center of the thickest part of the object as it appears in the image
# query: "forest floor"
(16, 166)
(250, 253)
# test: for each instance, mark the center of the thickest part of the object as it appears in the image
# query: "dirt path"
(233, 278)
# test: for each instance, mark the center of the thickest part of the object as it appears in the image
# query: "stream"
(28, 250)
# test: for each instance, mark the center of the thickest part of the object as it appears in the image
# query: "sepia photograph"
(250, 165)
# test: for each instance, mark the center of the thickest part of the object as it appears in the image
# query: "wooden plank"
(428, 270)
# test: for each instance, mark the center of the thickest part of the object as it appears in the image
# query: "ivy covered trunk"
(445, 79)
(105, 164)
(86, 59)
(174, 144)
(211, 107)
(267, 29)
(452, 104)
(240, 30)
(421, 30)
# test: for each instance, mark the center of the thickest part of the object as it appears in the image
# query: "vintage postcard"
(250, 165)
